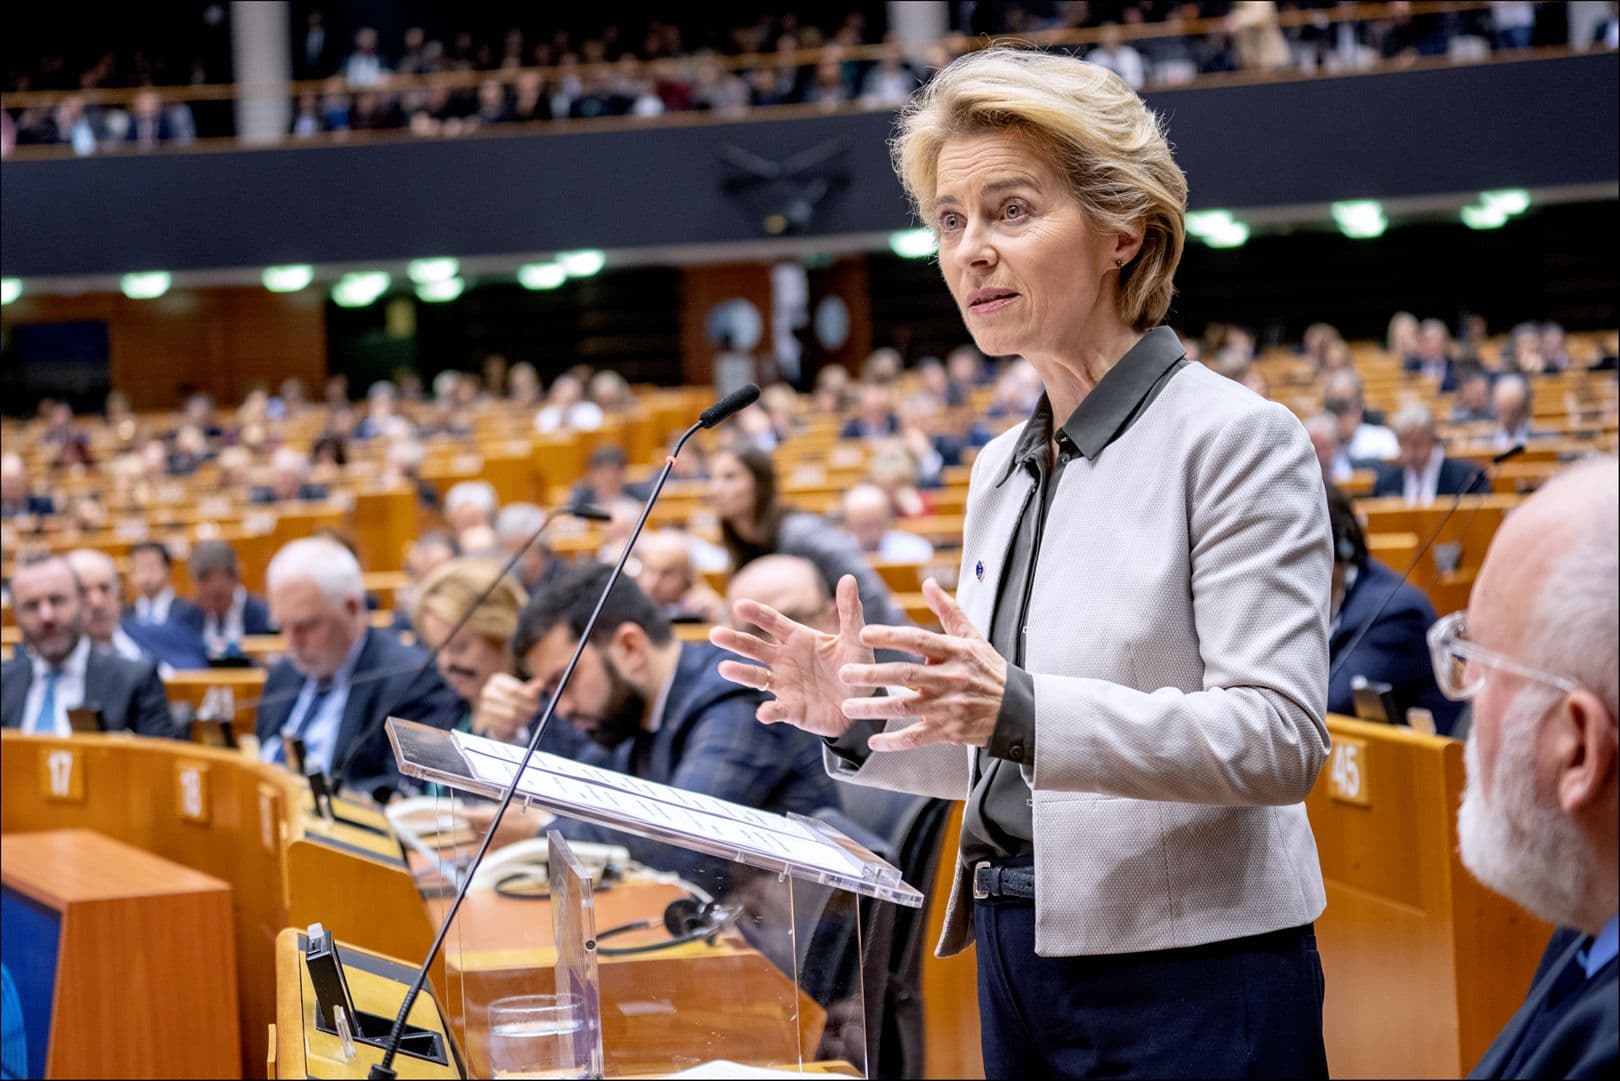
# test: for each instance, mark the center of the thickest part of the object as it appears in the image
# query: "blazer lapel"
(280, 695)
(362, 696)
(987, 535)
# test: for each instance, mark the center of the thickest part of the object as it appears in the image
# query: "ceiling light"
(360, 288)
(422, 271)
(582, 264)
(288, 279)
(438, 292)
(10, 289)
(541, 275)
(1509, 201)
(1360, 219)
(1484, 217)
(913, 243)
(146, 284)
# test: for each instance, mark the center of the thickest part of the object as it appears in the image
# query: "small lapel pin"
(978, 570)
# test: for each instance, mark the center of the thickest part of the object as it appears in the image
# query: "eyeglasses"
(1460, 665)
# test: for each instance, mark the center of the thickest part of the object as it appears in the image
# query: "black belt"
(992, 881)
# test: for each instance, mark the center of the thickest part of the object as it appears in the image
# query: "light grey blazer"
(1178, 639)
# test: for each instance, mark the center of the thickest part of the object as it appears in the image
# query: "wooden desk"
(215, 811)
(1424, 965)
(146, 963)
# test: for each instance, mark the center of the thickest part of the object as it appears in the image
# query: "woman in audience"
(483, 646)
(754, 522)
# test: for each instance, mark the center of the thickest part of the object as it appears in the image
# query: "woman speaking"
(1128, 692)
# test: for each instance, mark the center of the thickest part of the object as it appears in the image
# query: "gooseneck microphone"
(1467, 489)
(340, 768)
(732, 403)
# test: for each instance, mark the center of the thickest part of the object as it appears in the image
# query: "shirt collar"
(1113, 404)
(73, 665)
(1603, 947)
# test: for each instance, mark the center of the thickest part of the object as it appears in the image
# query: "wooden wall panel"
(702, 287)
(221, 340)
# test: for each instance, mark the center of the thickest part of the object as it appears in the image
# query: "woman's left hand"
(956, 694)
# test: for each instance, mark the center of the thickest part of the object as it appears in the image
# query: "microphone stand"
(732, 403)
(1361, 632)
(590, 514)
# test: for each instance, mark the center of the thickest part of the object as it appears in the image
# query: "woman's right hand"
(798, 664)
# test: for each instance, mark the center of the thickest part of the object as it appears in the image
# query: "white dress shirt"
(1420, 488)
(1373, 441)
(898, 546)
(154, 609)
(69, 689)
(219, 635)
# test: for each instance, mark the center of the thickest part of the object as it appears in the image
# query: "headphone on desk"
(687, 919)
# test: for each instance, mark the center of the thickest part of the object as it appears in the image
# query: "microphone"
(737, 400)
(340, 768)
(1456, 502)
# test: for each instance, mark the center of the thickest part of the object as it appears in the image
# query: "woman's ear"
(1127, 245)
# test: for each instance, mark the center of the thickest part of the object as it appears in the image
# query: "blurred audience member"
(567, 409)
(483, 646)
(1511, 402)
(754, 523)
(290, 471)
(605, 480)
(225, 610)
(1473, 401)
(1377, 627)
(790, 584)
(470, 503)
(58, 670)
(170, 645)
(667, 576)
(151, 572)
(869, 517)
(514, 526)
(16, 496)
(1342, 397)
(1422, 470)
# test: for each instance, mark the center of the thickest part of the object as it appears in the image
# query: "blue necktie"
(323, 688)
(45, 719)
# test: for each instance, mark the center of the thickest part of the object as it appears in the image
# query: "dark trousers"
(1247, 1007)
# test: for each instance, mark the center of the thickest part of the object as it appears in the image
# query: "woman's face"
(467, 661)
(1026, 268)
(731, 488)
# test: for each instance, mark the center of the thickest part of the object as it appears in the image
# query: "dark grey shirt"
(999, 820)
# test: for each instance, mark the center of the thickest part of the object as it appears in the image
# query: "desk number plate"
(1347, 772)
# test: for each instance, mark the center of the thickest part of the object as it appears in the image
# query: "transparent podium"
(640, 930)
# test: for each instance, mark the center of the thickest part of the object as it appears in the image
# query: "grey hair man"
(340, 678)
(1422, 471)
(1539, 656)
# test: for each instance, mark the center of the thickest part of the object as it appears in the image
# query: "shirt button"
(1016, 752)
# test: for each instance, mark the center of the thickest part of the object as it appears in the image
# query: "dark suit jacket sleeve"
(189, 616)
(1394, 651)
(149, 707)
(1389, 481)
(256, 617)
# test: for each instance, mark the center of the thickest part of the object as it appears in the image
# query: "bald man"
(171, 645)
(1539, 656)
(789, 584)
(869, 517)
(668, 578)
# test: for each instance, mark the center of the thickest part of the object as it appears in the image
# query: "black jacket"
(1568, 1025)
(128, 693)
(385, 683)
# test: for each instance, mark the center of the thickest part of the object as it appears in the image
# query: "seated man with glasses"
(1538, 655)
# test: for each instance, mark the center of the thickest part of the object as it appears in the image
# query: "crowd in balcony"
(363, 80)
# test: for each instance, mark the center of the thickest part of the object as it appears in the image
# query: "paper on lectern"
(700, 822)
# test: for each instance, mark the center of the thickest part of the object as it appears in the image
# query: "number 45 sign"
(1347, 771)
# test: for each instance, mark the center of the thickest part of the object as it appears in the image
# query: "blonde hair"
(1096, 130)
(454, 585)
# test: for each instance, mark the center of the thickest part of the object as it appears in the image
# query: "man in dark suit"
(169, 645)
(1422, 471)
(151, 572)
(1392, 650)
(1537, 655)
(15, 496)
(340, 679)
(60, 671)
(225, 610)
(655, 707)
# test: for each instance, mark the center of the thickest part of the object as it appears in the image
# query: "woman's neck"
(1070, 376)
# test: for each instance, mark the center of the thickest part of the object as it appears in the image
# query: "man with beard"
(1539, 656)
(654, 707)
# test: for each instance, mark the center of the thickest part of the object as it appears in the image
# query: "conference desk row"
(1423, 965)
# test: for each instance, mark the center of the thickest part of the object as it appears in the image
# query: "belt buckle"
(981, 872)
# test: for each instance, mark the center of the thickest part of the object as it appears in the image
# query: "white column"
(261, 47)
(917, 24)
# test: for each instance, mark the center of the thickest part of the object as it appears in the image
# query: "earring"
(1118, 264)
